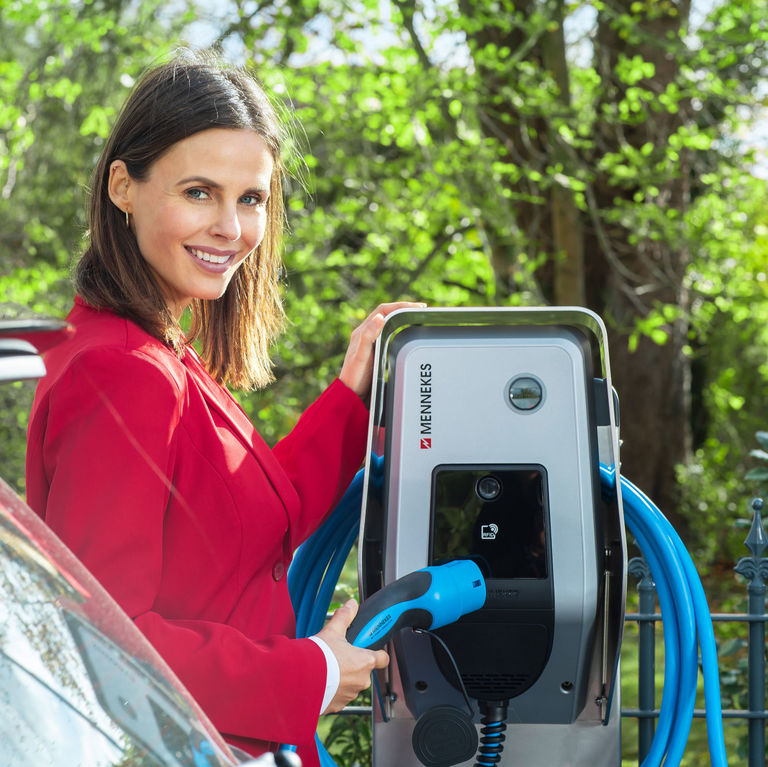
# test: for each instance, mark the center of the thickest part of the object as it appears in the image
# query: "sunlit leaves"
(632, 70)
(98, 121)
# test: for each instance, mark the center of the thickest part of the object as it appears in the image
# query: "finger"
(372, 325)
(381, 660)
(377, 317)
(388, 308)
(393, 305)
(343, 617)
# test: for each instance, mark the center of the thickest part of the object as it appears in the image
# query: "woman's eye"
(197, 194)
(253, 199)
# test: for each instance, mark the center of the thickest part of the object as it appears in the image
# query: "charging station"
(488, 427)
(492, 555)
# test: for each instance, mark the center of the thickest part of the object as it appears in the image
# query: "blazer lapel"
(220, 400)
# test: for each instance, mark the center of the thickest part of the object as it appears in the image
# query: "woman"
(139, 458)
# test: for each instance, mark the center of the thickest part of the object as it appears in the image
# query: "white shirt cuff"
(332, 673)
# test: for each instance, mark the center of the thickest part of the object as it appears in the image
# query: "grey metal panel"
(470, 418)
(527, 745)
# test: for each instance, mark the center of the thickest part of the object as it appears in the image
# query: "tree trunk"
(627, 278)
(567, 233)
(532, 143)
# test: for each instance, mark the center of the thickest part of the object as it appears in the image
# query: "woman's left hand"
(357, 370)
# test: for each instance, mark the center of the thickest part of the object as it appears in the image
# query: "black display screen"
(495, 515)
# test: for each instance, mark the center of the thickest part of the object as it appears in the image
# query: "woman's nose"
(227, 223)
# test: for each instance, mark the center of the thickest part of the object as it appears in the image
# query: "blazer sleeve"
(109, 448)
(322, 454)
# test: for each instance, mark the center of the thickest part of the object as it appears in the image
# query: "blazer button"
(278, 571)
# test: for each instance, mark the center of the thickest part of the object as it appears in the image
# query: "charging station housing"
(487, 430)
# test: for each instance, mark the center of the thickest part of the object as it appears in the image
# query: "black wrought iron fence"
(754, 569)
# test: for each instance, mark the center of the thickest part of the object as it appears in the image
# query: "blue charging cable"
(318, 562)
(685, 614)
(317, 565)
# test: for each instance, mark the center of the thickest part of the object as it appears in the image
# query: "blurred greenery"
(461, 153)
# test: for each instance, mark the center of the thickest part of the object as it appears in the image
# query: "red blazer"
(152, 474)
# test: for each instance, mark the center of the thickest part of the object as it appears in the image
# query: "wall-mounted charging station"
(487, 430)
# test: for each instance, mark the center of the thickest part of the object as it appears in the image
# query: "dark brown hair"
(187, 95)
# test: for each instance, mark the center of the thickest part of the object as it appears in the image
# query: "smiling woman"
(141, 460)
(181, 119)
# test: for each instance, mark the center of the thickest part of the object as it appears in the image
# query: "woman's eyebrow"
(200, 180)
(215, 185)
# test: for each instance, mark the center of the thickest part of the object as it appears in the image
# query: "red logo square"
(426, 443)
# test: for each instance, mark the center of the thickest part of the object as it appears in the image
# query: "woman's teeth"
(203, 256)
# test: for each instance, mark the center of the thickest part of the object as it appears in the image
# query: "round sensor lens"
(525, 393)
(488, 488)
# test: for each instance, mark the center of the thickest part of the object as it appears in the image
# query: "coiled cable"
(494, 721)
(686, 617)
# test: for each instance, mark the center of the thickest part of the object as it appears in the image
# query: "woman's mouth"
(211, 258)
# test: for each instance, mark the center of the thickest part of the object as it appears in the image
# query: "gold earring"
(127, 220)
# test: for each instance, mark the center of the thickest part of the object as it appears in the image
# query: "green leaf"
(97, 122)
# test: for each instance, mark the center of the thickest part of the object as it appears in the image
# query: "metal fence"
(754, 569)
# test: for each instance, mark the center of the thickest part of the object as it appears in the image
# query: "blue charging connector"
(685, 613)
(425, 599)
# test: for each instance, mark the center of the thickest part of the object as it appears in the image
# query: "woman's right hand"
(355, 663)
(357, 370)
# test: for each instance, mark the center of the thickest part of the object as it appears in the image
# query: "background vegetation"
(462, 152)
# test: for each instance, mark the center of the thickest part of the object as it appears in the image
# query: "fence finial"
(639, 568)
(755, 568)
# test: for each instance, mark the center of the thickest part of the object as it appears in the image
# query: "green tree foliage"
(728, 286)
(65, 68)
(462, 155)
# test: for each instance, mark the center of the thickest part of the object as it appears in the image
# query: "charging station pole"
(487, 430)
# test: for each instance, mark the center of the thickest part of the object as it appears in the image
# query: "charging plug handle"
(391, 609)
(427, 599)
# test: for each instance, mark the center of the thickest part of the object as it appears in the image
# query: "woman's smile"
(211, 257)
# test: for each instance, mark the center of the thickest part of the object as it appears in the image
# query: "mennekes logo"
(425, 405)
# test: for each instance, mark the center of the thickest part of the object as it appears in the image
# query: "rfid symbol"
(489, 532)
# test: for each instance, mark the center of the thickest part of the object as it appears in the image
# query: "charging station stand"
(487, 426)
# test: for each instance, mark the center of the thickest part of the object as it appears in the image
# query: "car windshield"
(79, 684)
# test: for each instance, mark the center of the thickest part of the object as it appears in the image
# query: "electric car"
(79, 683)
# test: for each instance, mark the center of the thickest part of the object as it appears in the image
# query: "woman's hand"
(355, 663)
(357, 370)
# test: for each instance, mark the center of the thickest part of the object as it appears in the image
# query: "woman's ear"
(119, 186)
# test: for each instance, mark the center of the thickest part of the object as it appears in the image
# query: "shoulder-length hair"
(190, 94)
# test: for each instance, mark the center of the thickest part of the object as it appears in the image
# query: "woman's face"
(200, 212)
